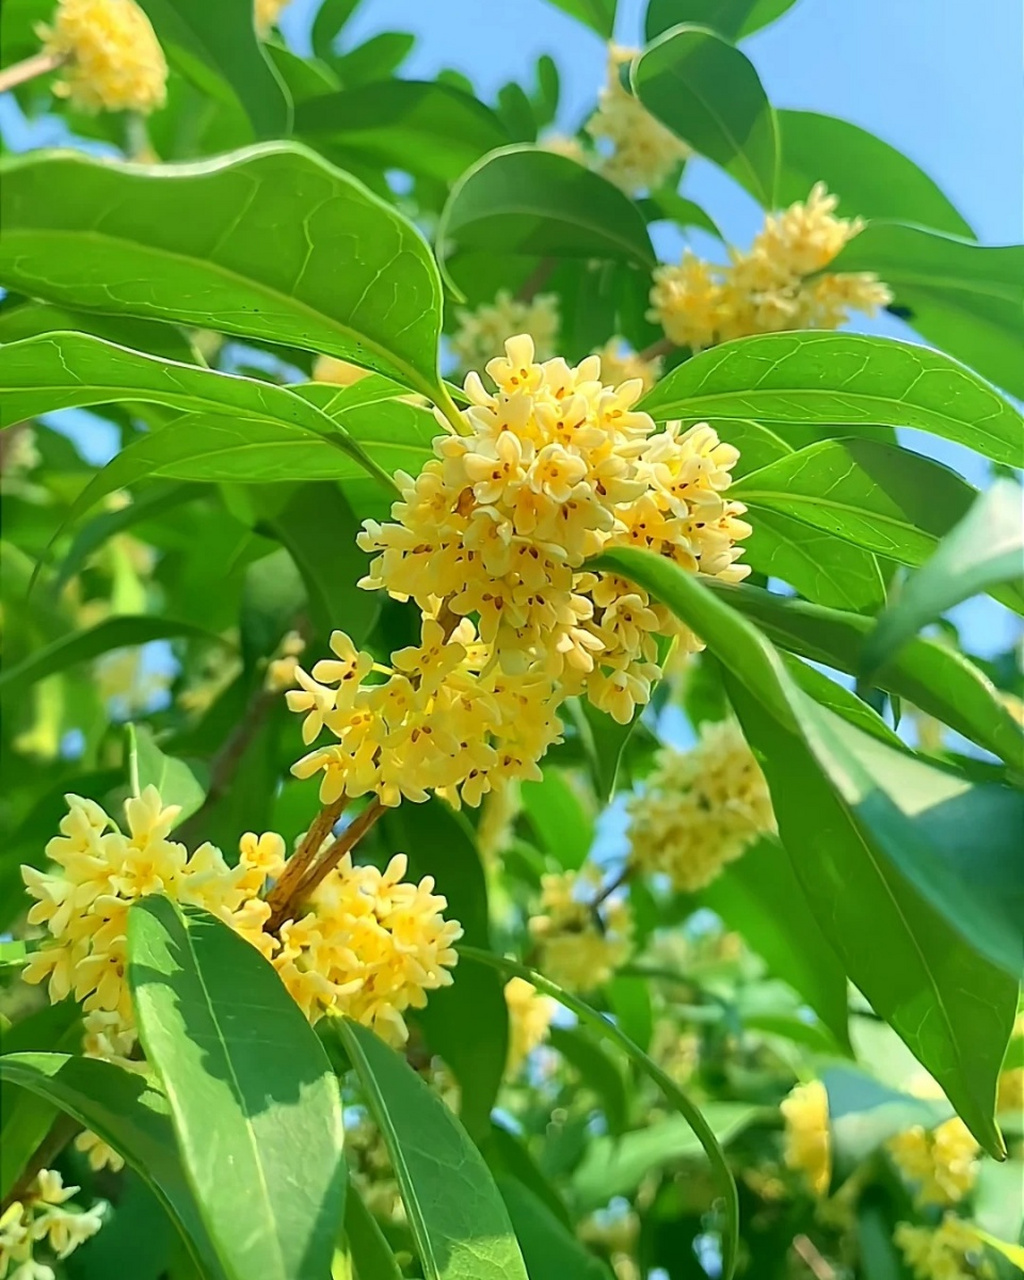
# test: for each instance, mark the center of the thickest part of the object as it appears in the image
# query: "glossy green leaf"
(967, 299)
(259, 244)
(596, 1071)
(508, 1156)
(252, 1071)
(928, 673)
(951, 1006)
(113, 633)
(374, 59)
(984, 550)
(871, 178)
(615, 1166)
(148, 766)
(371, 1253)
(528, 202)
(550, 1250)
(215, 46)
(467, 1022)
(562, 825)
(841, 378)
(458, 1220)
(630, 1000)
(30, 319)
(881, 497)
(599, 15)
(604, 741)
(418, 126)
(760, 896)
(709, 94)
(128, 1112)
(844, 702)
(733, 19)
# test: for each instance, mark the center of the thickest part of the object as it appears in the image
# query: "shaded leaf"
(550, 1250)
(371, 1253)
(563, 827)
(596, 1070)
(733, 19)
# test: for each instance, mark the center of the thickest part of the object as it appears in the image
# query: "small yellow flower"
(621, 365)
(281, 668)
(114, 60)
(950, 1251)
(529, 1018)
(580, 946)
(482, 333)
(40, 1217)
(808, 1148)
(942, 1164)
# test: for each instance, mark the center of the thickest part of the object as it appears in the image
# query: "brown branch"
(610, 888)
(662, 347)
(808, 1253)
(348, 839)
(286, 892)
(536, 280)
(40, 64)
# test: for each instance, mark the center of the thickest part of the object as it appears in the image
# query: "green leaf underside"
(951, 1006)
(841, 378)
(709, 94)
(253, 1098)
(458, 1220)
(734, 19)
(131, 1115)
(261, 244)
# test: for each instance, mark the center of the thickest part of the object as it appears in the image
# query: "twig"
(662, 347)
(348, 839)
(610, 888)
(808, 1253)
(40, 64)
(285, 892)
(536, 280)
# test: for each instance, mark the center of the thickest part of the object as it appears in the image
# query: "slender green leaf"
(270, 243)
(251, 1071)
(967, 299)
(458, 1220)
(871, 178)
(371, 1253)
(508, 1156)
(550, 1250)
(985, 549)
(604, 741)
(331, 17)
(32, 319)
(733, 19)
(563, 827)
(709, 94)
(128, 1112)
(630, 1000)
(418, 126)
(841, 378)
(844, 702)
(952, 1006)
(215, 45)
(114, 633)
(928, 673)
(1011, 1252)
(174, 779)
(596, 1070)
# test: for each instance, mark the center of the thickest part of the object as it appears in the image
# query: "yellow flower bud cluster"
(700, 808)
(580, 944)
(490, 541)
(950, 1251)
(808, 1147)
(266, 13)
(482, 334)
(43, 1219)
(114, 60)
(773, 287)
(643, 152)
(281, 667)
(941, 1164)
(529, 1019)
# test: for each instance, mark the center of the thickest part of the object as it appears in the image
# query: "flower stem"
(284, 894)
(40, 64)
(348, 839)
(660, 348)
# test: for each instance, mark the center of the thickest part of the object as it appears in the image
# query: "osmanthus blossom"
(112, 58)
(43, 1219)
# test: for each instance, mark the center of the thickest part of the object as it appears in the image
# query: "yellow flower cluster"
(942, 1164)
(529, 1018)
(41, 1219)
(773, 287)
(367, 945)
(267, 12)
(482, 333)
(950, 1251)
(281, 667)
(643, 152)
(555, 466)
(580, 944)
(700, 808)
(808, 1147)
(114, 60)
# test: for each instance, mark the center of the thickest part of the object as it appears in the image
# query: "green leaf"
(458, 1220)
(467, 1022)
(840, 378)
(837, 698)
(871, 178)
(563, 828)
(527, 202)
(760, 896)
(270, 243)
(967, 299)
(630, 1001)
(130, 1114)
(253, 1072)
(420, 127)
(878, 496)
(694, 1117)
(928, 673)
(114, 633)
(215, 46)
(951, 1006)
(550, 1250)
(371, 1253)
(733, 19)
(599, 15)
(374, 59)
(604, 741)
(32, 319)
(1011, 1252)
(331, 16)
(709, 94)
(596, 1070)
(616, 1166)
(984, 550)
(174, 779)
